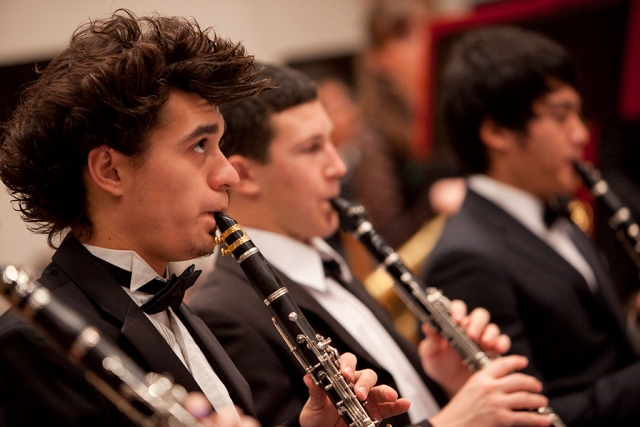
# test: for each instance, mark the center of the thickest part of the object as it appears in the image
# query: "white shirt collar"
(520, 204)
(300, 262)
(141, 272)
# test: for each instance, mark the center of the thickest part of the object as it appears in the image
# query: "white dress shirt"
(168, 325)
(528, 210)
(303, 264)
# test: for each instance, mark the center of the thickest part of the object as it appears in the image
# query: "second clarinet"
(619, 216)
(429, 305)
(317, 357)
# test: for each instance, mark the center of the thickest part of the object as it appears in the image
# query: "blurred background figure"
(391, 180)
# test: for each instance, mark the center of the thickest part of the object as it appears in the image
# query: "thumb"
(317, 397)
(433, 343)
(505, 365)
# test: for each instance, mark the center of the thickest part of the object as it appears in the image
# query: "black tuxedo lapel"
(605, 294)
(220, 362)
(521, 240)
(154, 349)
(85, 270)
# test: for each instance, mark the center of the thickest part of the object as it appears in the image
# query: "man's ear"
(495, 136)
(104, 166)
(246, 168)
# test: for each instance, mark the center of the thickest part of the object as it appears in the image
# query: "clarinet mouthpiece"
(223, 221)
(351, 214)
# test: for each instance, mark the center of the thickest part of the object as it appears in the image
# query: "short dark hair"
(498, 73)
(107, 88)
(248, 130)
(392, 20)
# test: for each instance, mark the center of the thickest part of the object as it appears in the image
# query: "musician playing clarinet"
(115, 152)
(513, 111)
(280, 144)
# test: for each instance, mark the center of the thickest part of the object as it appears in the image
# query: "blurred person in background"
(396, 186)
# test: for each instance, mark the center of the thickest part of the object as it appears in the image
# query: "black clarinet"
(620, 219)
(319, 359)
(147, 399)
(429, 304)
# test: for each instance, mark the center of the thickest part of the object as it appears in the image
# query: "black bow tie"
(165, 294)
(555, 210)
(169, 294)
(333, 270)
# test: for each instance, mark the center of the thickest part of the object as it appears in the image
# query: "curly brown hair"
(107, 88)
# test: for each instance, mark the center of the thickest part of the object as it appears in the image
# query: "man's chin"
(205, 255)
(571, 187)
(202, 249)
(332, 227)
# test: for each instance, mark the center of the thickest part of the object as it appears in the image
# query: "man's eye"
(560, 116)
(200, 146)
(312, 148)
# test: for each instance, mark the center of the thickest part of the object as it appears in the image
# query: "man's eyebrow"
(203, 130)
(564, 104)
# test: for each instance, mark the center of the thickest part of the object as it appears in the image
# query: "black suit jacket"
(77, 279)
(231, 308)
(575, 340)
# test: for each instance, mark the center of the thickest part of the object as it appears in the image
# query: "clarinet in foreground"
(620, 219)
(149, 400)
(429, 305)
(317, 357)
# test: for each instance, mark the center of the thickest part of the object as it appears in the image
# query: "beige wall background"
(273, 30)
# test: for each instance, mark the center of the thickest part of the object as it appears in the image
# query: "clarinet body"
(429, 305)
(149, 400)
(620, 219)
(313, 352)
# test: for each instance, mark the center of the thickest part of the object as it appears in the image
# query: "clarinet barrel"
(619, 216)
(147, 399)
